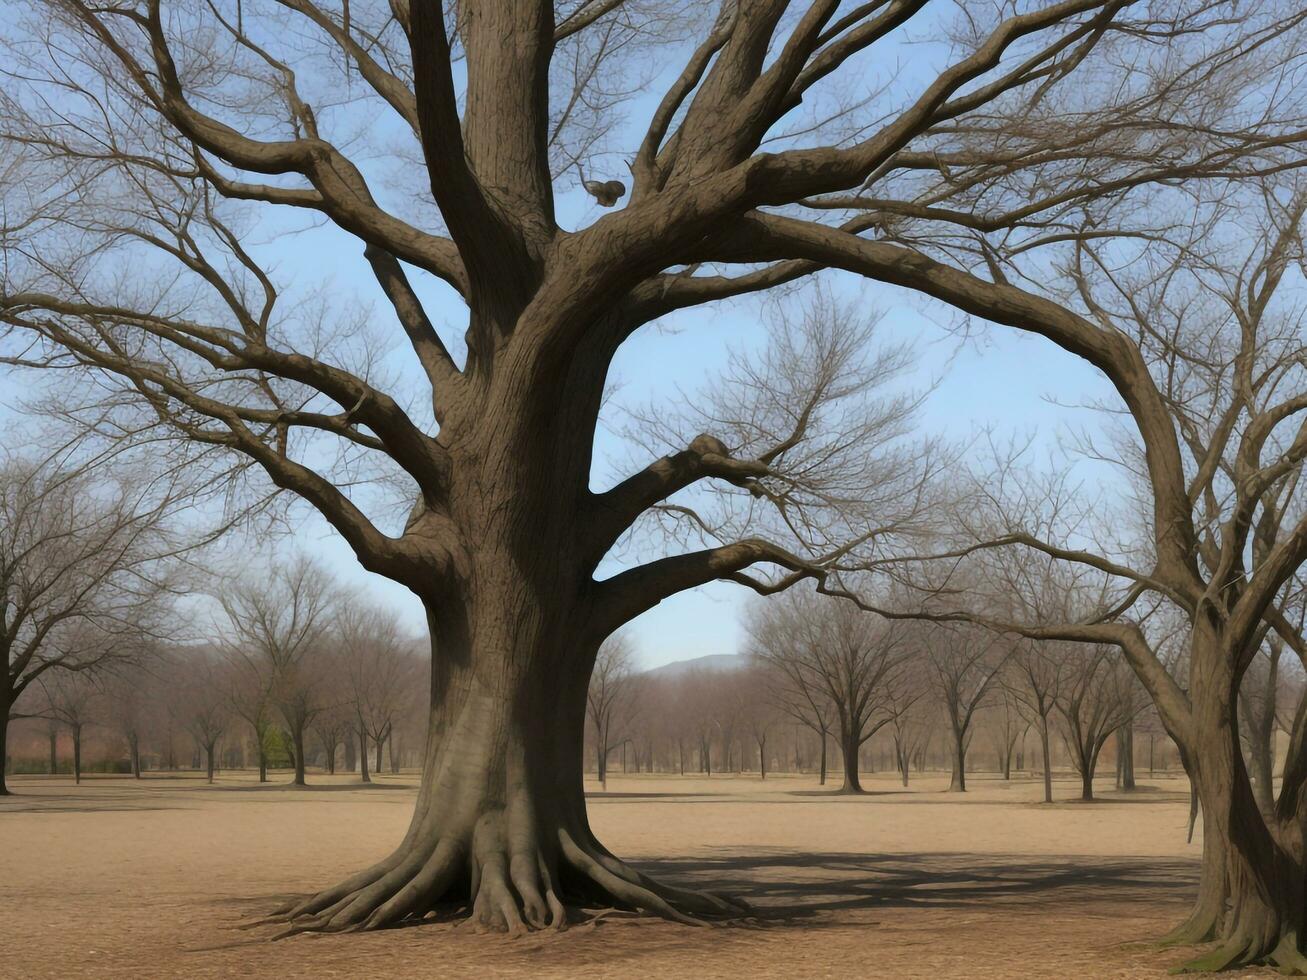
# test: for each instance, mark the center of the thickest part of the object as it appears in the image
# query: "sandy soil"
(116, 878)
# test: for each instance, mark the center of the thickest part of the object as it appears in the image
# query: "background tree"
(72, 699)
(610, 699)
(83, 582)
(1033, 677)
(282, 619)
(965, 667)
(379, 673)
(831, 653)
(204, 703)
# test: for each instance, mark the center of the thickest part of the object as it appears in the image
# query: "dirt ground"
(116, 878)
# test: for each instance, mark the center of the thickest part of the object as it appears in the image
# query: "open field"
(115, 878)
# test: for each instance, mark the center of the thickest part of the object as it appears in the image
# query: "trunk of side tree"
(363, 756)
(208, 761)
(958, 781)
(134, 746)
(762, 758)
(821, 780)
(77, 755)
(53, 736)
(1251, 899)
(331, 757)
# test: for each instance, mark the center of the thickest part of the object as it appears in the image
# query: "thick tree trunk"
(500, 823)
(1251, 899)
(958, 782)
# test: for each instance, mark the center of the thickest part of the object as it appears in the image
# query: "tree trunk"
(1251, 897)
(1125, 752)
(134, 747)
(958, 781)
(208, 761)
(1048, 760)
(331, 757)
(500, 823)
(297, 738)
(849, 746)
(821, 781)
(54, 751)
(77, 754)
(762, 758)
(363, 756)
(380, 744)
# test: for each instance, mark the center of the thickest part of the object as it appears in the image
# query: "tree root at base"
(512, 891)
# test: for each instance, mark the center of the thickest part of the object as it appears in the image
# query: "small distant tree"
(1033, 679)
(74, 701)
(1094, 701)
(829, 653)
(378, 671)
(610, 698)
(965, 665)
(205, 705)
(281, 620)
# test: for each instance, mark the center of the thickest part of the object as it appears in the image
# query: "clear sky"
(1002, 382)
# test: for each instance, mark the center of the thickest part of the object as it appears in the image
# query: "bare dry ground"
(116, 878)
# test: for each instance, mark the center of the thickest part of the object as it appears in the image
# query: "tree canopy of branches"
(778, 148)
(83, 578)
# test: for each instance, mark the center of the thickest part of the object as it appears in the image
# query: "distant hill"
(714, 663)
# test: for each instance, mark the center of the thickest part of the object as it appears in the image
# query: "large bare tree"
(775, 147)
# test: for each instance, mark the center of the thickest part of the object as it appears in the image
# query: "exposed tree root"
(1247, 949)
(513, 886)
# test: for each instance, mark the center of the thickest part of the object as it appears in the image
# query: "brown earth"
(116, 878)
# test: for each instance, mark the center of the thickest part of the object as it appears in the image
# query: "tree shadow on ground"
(785, 885)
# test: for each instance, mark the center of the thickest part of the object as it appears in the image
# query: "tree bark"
(53, 736)
(821, 781)
(77, 754)
(500, 823)
(380, 744)
(363, 756)
(208, 761)
(134, 747)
